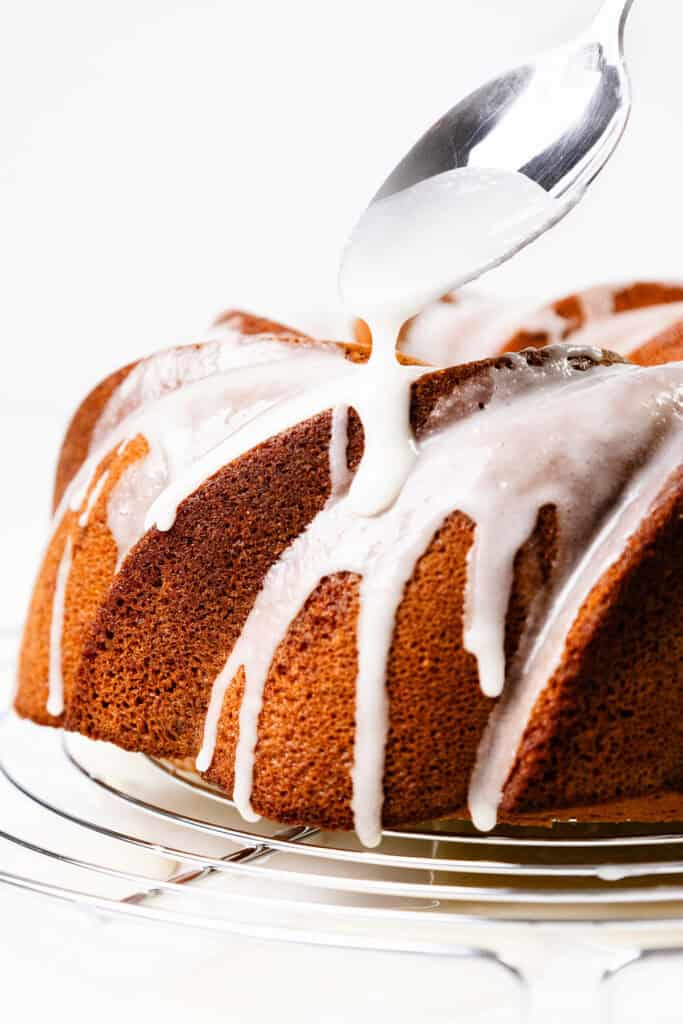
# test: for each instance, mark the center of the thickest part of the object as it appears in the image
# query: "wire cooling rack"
(155, 837)
(120, 834)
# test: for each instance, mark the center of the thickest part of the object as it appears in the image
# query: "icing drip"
(340, 474)
(382, 400)
(92, 499)
(489, 581)
(134, 492)
(55, 700)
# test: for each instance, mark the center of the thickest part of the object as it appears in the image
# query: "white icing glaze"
(452, 332)
(473, 327)
(182, 413)
(340, 474)
(597, 303)
(55, 700)
(76, 493)
(134, 492)
(507, 724)
(92, 499)
(167, 371)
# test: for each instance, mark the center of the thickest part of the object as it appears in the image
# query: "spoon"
(549, 125)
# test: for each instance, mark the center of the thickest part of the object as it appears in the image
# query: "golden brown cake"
(134, 618)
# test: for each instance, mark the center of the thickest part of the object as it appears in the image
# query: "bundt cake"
(502, 640)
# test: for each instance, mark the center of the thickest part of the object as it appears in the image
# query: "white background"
(163, 159)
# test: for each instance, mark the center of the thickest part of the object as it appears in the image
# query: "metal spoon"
(556, 120)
